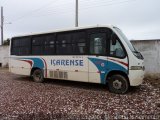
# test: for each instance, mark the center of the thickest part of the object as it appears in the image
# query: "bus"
(96, 54)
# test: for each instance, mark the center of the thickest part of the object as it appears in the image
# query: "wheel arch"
(114, 72)
(33, 69)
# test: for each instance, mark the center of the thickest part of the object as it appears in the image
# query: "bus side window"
(98, 44)
(49, 45)
(71, 43)
(116, 49)
(79, 43)
(37, 45)
(64, 44)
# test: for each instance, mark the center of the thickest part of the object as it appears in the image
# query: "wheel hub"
(37, 76)
(117, 84)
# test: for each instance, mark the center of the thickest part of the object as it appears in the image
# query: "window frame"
(91, 38)
(85, 42)
(87, 33)
(43, 44)
(20, 46)
(73, 44)
(54, 44)
(99, 30)
(40, 45)
(120, 42)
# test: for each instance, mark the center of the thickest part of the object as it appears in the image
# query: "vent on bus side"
(51, 74)
(58, 74)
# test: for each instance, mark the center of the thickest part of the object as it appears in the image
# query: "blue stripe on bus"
(37, 62)
(105, 67)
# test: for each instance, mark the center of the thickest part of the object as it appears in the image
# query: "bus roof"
(63, 30)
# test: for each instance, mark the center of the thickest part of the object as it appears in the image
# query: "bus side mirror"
(114, 39)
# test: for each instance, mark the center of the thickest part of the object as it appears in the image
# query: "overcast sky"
(138, 19)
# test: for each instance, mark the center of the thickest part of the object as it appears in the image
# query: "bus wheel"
(38, 76)
(118, 84)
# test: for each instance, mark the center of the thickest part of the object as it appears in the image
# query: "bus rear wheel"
(38, 76)
(118, 84)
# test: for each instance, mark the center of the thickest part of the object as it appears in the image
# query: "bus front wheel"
(38, 76)
(118, 84)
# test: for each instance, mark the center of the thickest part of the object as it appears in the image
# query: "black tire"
(38, 76)
(118, 84)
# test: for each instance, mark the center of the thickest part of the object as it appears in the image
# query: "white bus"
(98, 54)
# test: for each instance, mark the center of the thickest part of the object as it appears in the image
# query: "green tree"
(6, 42)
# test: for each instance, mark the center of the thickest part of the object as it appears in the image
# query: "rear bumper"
(136, 77)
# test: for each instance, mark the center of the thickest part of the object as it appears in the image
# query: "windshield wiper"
(135, 51)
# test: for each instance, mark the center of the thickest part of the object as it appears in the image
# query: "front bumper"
(136, 77)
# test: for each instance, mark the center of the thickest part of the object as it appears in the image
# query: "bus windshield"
(125, 39)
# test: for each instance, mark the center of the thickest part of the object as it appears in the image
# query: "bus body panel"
(104, 66)
(136, 76)
(97, 69)
(95, 72)
(56, 67)
(68, 67)
(86, 68)
(19, 67)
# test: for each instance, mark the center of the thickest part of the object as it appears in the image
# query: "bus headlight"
(137, 68)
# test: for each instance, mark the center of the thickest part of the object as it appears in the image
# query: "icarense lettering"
(67, 62)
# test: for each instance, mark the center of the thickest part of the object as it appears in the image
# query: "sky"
(138, 19)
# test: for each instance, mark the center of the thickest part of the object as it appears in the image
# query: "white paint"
(149, 48)
(4, 55)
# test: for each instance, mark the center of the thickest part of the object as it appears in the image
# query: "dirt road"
(20, 98)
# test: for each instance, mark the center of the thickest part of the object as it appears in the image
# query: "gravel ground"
(20, 98)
